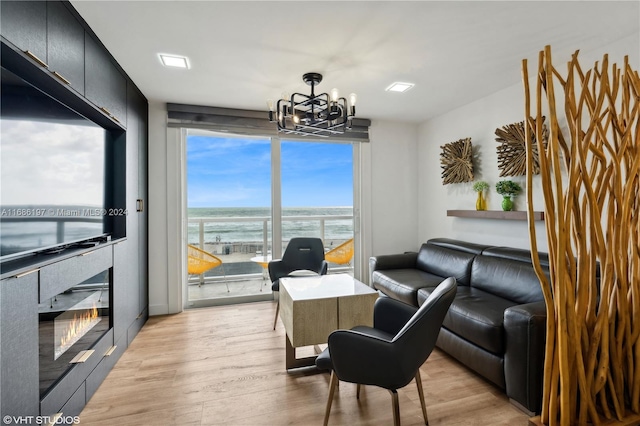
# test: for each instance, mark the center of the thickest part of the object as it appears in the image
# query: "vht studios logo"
(41, 420)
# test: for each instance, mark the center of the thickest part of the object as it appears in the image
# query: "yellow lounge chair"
(200, 261)
(341, 254)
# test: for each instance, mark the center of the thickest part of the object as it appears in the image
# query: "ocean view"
(252, 231)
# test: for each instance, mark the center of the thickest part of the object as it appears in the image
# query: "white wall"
(394, 187)
(478, 120)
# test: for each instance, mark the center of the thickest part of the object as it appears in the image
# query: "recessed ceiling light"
(174, 61)
(399, 87)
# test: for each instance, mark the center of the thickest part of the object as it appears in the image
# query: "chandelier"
(313, 115)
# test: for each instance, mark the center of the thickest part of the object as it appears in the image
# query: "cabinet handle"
(139, 205)
(113, 117)
(61, 78)
(27, 273)
(110, 351)
(35, 58)
(82, 356)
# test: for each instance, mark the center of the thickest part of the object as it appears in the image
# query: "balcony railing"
(253, 241)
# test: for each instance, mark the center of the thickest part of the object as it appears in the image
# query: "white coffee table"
(312, 307)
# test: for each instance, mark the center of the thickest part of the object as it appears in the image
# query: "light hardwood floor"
(225, 366)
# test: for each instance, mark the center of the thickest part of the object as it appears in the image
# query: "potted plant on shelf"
(508, 189)
(480, 187)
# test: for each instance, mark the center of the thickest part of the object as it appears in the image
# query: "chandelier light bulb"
(352, 99)
(335, 95)
(285, 96)
(270, 104)
(296, 119)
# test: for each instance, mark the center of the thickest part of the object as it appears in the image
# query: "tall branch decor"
(512, 155)
(590, 178)
(456, 162)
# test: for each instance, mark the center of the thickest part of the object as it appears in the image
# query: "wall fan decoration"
(512, 153)
(455, 158)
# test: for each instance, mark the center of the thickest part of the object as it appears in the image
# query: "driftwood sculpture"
(512, 153)
(590, 176)
(456, 160)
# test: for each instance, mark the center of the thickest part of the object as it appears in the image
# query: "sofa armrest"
(525, 331)
(393, 261)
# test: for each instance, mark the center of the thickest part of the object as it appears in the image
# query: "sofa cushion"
(403, 284)
(445, 262)
(509, 279)
(476, 316)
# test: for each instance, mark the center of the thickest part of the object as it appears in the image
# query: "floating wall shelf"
(495, 214)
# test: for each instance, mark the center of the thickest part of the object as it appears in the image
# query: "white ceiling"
(243, 53)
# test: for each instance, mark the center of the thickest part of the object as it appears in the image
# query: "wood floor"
(225, 366)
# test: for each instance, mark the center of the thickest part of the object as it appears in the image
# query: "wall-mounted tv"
(52, 172)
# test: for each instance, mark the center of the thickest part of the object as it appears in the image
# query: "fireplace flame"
(79, 325)
(74, 328)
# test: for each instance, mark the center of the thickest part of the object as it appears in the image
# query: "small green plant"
(508, 188)
(480, 186)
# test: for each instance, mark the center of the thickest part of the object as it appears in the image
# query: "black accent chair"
(390, 354)
(301, 254)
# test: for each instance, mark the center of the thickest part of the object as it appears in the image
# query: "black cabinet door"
(143, 227)
(65, 45)
(137, 177)
(105, 85)
(24, 23)
(20, 394)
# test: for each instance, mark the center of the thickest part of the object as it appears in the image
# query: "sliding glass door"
(317, 196)
(231, 184)
(229, 218)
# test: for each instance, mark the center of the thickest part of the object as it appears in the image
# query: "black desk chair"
(390, 354)
(301, 254)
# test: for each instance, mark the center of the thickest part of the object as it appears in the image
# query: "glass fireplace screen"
(70, 323)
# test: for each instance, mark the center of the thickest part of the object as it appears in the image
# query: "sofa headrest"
(458, 245)
(510, 279)
(445, 262)
(520, 255)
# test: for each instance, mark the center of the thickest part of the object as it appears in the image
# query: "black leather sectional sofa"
(496, 323)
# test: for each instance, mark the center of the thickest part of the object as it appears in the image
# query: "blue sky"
(236, 172)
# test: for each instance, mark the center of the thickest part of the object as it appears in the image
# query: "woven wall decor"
(512, 153)
(455, 158)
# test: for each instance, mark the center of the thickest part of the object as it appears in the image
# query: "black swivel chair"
(301, 254)
(390, 354)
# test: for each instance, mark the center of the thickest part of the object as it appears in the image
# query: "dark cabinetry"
(65, 46)
(25, 24)
(19, 345)
(105, 86)
(51, 34)
(91, 81)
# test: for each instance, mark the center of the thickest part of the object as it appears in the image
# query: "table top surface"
(324, 286)
(261, 258)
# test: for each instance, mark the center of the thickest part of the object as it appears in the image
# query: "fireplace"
(70, 323)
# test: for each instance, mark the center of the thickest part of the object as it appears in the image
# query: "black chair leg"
(421, 395)
(332, 388)
(358, 391)
(275, 320)
(395, 406)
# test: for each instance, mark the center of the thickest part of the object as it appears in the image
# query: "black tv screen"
(52, 172)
